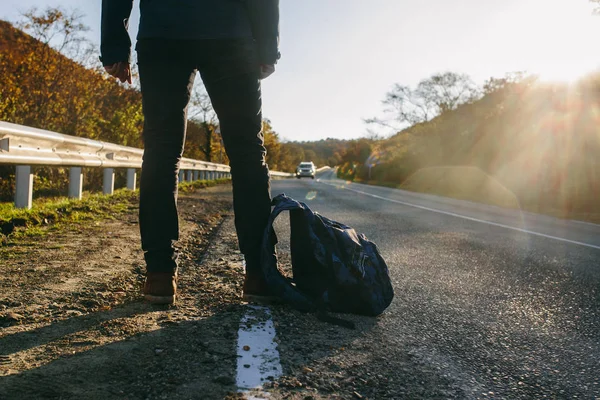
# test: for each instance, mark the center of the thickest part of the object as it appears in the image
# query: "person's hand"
(266, 70)
(120, 70)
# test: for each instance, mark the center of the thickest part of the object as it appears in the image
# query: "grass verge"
(464, 183)
(472, 184)
(188, 187)
(50, 214)
(54, 212)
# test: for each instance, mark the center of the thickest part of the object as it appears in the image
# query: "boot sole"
(254, 298)
(159, 299)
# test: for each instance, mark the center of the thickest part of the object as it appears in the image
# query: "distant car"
(305, 169)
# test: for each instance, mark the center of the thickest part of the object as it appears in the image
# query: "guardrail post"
(75, 182)
(196, 173)
(24, 189)
(189, 176)
(181, 172)
(131, 177)
(108, 186)
(203, 175)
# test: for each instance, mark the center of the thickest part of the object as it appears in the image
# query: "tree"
(202, 113)
(272, 145)
(291, 154)
(511, 79)
(433, 96)
(57, 28)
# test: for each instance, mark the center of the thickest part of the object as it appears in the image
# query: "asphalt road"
(490, 303)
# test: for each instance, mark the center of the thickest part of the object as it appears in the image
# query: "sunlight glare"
(561, 40)
(563, 73)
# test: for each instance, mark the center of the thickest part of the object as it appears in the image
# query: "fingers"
(266, 70)
(128, 74)
(120, 70)
(124, 73)
(110, 69)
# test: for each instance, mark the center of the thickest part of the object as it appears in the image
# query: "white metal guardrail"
(24, 146)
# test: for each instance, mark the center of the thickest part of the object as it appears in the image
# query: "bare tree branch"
(58, 28)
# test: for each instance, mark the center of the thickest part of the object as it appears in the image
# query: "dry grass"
(465, 183)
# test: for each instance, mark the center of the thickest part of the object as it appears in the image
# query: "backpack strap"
(279, 284)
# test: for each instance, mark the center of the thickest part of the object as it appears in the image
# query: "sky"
(340, 57)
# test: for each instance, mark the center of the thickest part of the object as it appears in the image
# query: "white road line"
(258, 358)
(465, 217)
(585, 223)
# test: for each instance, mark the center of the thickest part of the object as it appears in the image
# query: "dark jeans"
(229, 70)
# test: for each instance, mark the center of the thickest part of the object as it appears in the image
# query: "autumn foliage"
(40, 87)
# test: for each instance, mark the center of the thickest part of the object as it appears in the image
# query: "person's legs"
(231, 80)
(166, 85)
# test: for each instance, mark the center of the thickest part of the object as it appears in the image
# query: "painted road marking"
(258, 357)
(466, 217)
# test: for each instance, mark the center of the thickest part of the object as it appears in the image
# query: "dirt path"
(73, 326)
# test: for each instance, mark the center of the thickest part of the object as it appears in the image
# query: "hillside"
(540, 142)
(42, 88)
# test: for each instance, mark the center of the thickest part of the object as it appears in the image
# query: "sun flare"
(558, 46)
(563, 73)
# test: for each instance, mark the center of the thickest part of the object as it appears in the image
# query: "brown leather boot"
(160, 287)
(256, 290)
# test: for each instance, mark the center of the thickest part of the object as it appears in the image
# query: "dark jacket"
(191, 19)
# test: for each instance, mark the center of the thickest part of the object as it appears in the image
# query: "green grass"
(52, 214)
(188, 187)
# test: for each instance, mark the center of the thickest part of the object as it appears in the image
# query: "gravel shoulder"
(73, 325)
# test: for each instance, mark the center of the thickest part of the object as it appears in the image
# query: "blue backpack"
(334, 268)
